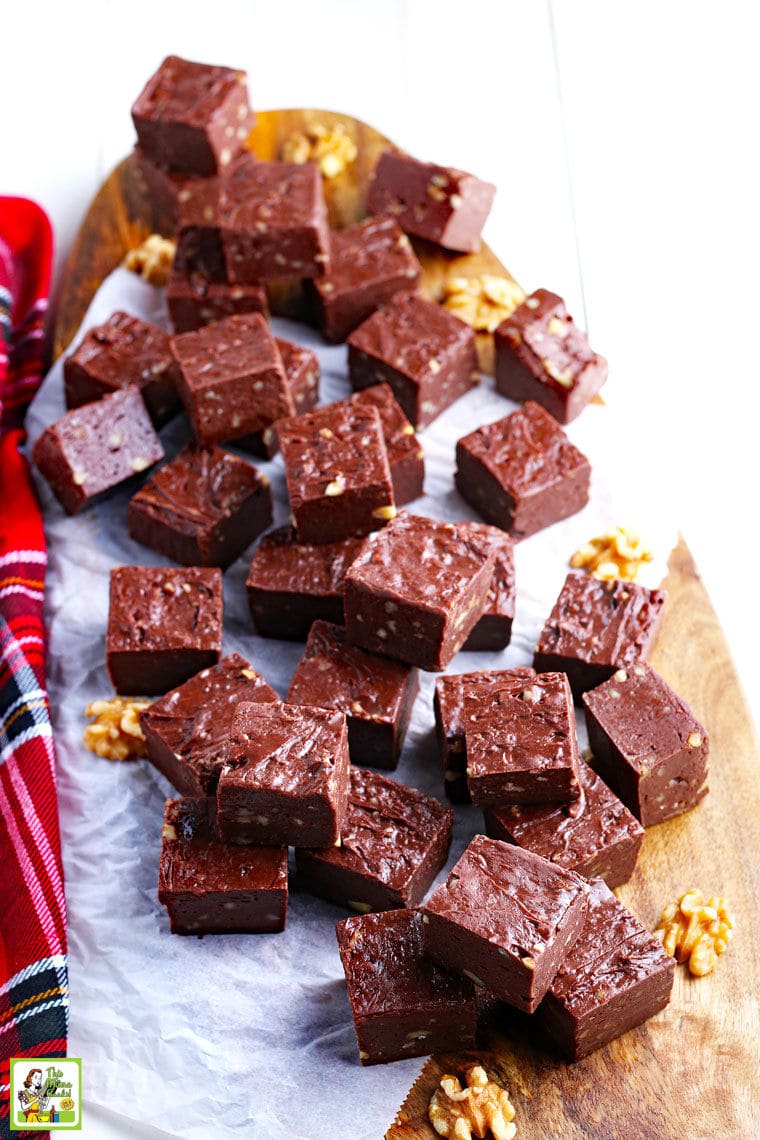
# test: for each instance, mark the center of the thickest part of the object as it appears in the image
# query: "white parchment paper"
(250, 1036)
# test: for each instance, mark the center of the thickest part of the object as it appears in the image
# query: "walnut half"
(617, 553)
(153, 259)
(480, 1108)
(332, 148)
(696, 931)
(482, 302)
(115, 732)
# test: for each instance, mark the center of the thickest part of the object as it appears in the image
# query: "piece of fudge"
(597, 628)
(615, 976)
(457, 696)
(403, 1005)
(603, 839)
(522, 473)
(406, 457)
(232, 381)
(193, 301)
(193, 116)
(336, 467)
(164, 625)
(375, 693)
(506, 918)
(369, 263)
(444, 205)
(393, 842)
(647, 744)
(123, 351)
(210, 887)
(494, 629)
(541, 355)
(522, 747)
(199, 249)
(286, 777)
(291, 585)
(202, 509)
(416, 589)
(93, 449)
(302, 375)
(274, 221)
(186, 731)
(164, 190)
(422, 351)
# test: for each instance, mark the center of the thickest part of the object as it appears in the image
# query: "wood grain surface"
(693, 1071)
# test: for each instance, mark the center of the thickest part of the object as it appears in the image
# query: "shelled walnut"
(332, 148)
(152, 260)
(480, 1109)
(115, 732)
(618, 553)
(482, 302)
(696, 931)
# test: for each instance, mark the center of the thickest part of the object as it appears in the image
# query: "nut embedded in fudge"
(273, 221)
(603, 839)
(187, 731)
(406, 457)
(292, 584)
(194, 301)
(647, 744)
(403, 1005)
(541, 355)
(522, 473)
(457, 696)
(202, 509)
(369, 263)
(302, 375)
(522, 746)
(93, 449)
(615, 976)
(232, 381)
(393, 842)
(506, 918)
(336, 466)
(424, 353)
(596, 628)
(375, 693)
(494, 629)
(193, 116)
(286, 777)
(440, 203)
(123, 351)
(164, 625)
(416, 589)
(210, 887)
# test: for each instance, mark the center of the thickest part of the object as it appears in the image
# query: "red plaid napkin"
(33, 979)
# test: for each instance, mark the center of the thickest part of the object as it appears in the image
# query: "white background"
(623, 139)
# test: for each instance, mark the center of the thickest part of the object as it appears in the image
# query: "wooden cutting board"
(692, 1072)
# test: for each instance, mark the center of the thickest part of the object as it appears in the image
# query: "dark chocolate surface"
(194, 301)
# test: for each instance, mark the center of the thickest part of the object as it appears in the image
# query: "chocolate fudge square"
(522, 747)
(194, 301)
(232, 381)
(92, 449)
(302, 375)
(457, 696)
(406, 457)
(506, 918)
(416, 589)
(187, 730)
(199, 250)
(615, 976)
(193, 116)
(494, 629)
(292, 584)
(369, 263)
(286, 778)
(423, 352)
(164, 191)
(603, 839)
(336, 466)
(375, 693)
(440, 203)
(597, 628)
(202, 509)
(541, 355)
(403, 1005)
(123, 351)
(210, 887)
(274, 221)
(393, 842)
(647, 744)
(522, 473)
(164, 625)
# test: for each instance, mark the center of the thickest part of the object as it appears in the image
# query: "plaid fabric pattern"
(33, 980)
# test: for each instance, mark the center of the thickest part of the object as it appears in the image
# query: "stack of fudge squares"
(527, 916)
